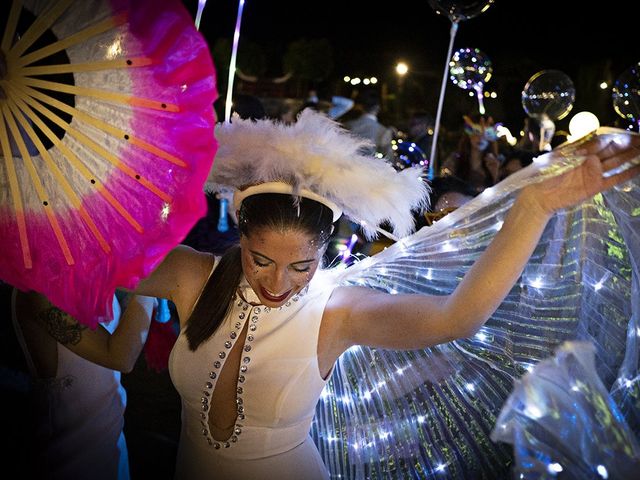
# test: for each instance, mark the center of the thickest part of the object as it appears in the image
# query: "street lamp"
(402, 69)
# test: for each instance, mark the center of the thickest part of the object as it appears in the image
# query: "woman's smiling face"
(279, 264)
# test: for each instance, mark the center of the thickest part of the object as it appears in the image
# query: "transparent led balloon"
(626, 95)
(458, 10)
(550, 94)
(470, 69)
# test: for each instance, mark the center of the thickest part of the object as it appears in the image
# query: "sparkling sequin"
(246, 359)
(228, 344)
(212, 375)
(216, 364)
(247, 348)
(222, 354)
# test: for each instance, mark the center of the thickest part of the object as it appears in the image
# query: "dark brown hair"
(276, 211)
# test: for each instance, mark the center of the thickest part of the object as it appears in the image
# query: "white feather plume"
(318, 154)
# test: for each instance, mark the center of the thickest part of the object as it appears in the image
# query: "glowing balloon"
(458, 10)
(548, 93)
(469, 68)
(407, 154)
(626, 94)
(581, 124)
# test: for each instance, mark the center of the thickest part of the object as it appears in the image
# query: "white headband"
(281, 187)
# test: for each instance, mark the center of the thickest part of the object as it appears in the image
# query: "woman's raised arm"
(378, 319)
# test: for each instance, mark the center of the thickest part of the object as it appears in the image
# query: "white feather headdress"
(317, 154)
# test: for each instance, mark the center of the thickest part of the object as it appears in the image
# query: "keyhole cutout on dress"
(223, 410)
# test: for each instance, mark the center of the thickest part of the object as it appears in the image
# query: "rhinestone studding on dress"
(248, 312)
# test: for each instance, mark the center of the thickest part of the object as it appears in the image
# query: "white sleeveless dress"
(278, 386)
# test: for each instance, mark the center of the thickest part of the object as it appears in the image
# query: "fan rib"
(75, 39)
(17, 199)
(53, 221)
(104, 126)
(84, 171)
(70, 193)
(12, 23)
(85, 67)
(38, 27)
(104, 95)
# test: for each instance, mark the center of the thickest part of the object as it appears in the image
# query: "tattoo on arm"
(61, 326)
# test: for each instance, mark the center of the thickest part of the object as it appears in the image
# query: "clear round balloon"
(548, 94)
(407, 154)
(469, 68)
(626, 94)
(459, 10)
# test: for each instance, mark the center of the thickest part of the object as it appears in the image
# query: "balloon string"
(201, 4)
(480, 101)
(541, 138)
(434, 142)
(232, 64)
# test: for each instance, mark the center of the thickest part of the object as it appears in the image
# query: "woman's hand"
(603, 155)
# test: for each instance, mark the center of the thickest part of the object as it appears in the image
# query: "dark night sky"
(520, 38)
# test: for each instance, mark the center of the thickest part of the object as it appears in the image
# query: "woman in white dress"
(76, 402)
(261, 328)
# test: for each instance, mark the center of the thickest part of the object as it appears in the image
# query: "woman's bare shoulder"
(191, 262)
